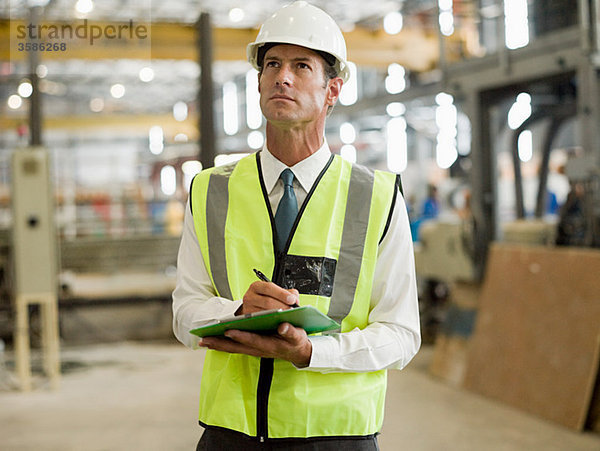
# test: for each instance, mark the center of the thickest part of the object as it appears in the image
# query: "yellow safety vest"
(344, 217)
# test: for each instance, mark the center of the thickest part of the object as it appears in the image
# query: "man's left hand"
(290, 343)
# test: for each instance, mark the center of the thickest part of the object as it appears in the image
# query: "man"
(431, 205)
(344, 225)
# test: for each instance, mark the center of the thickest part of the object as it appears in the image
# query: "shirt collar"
(305, 171)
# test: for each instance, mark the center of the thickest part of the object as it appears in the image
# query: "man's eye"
(271, 64)
(303, 66)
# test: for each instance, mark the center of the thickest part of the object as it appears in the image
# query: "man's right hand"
(267, 296)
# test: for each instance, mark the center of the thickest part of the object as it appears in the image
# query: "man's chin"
(280, 115)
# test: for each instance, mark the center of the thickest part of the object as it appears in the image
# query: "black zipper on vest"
(265, 376)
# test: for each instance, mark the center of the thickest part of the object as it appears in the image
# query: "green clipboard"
(307, 317)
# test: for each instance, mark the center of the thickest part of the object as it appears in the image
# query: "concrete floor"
(133, 396)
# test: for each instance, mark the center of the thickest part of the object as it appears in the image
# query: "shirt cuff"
(325, 352)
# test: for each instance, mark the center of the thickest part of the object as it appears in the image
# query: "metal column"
(482, 179)
(35, 100)
(588, 93)
(206, 94)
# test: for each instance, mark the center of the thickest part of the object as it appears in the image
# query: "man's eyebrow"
(298, 59)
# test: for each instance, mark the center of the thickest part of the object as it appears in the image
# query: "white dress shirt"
(392, 336)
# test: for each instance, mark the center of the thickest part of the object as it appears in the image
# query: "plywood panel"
(536, 339)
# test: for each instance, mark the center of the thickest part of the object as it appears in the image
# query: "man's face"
(293, 87)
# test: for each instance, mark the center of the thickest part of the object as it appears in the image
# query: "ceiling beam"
(128, 123)
(415, 48)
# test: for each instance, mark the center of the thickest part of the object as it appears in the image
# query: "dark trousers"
(226, 440)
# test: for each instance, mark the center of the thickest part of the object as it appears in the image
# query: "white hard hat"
(300, 23)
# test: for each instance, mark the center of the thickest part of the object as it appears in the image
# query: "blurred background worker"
(291, 205)
(431, 205)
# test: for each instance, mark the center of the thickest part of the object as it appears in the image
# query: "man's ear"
(258, 75)
(334, 87)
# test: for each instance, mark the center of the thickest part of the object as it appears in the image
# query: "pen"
(264, 278)
(260, 275)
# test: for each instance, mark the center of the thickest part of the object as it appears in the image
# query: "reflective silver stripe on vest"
(352, 246)
(217, 202)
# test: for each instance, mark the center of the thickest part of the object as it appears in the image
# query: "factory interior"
(488, 109)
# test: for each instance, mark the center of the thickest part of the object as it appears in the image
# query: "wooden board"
(536, 339)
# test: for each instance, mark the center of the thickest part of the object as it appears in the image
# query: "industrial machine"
(34, 254)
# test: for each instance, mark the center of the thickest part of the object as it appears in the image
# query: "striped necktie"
(287, 210)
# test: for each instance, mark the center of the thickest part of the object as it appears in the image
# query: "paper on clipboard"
(307, 317)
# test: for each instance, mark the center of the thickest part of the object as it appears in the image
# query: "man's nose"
(284, 76)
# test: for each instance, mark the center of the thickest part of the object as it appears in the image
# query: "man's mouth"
(281, 97)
